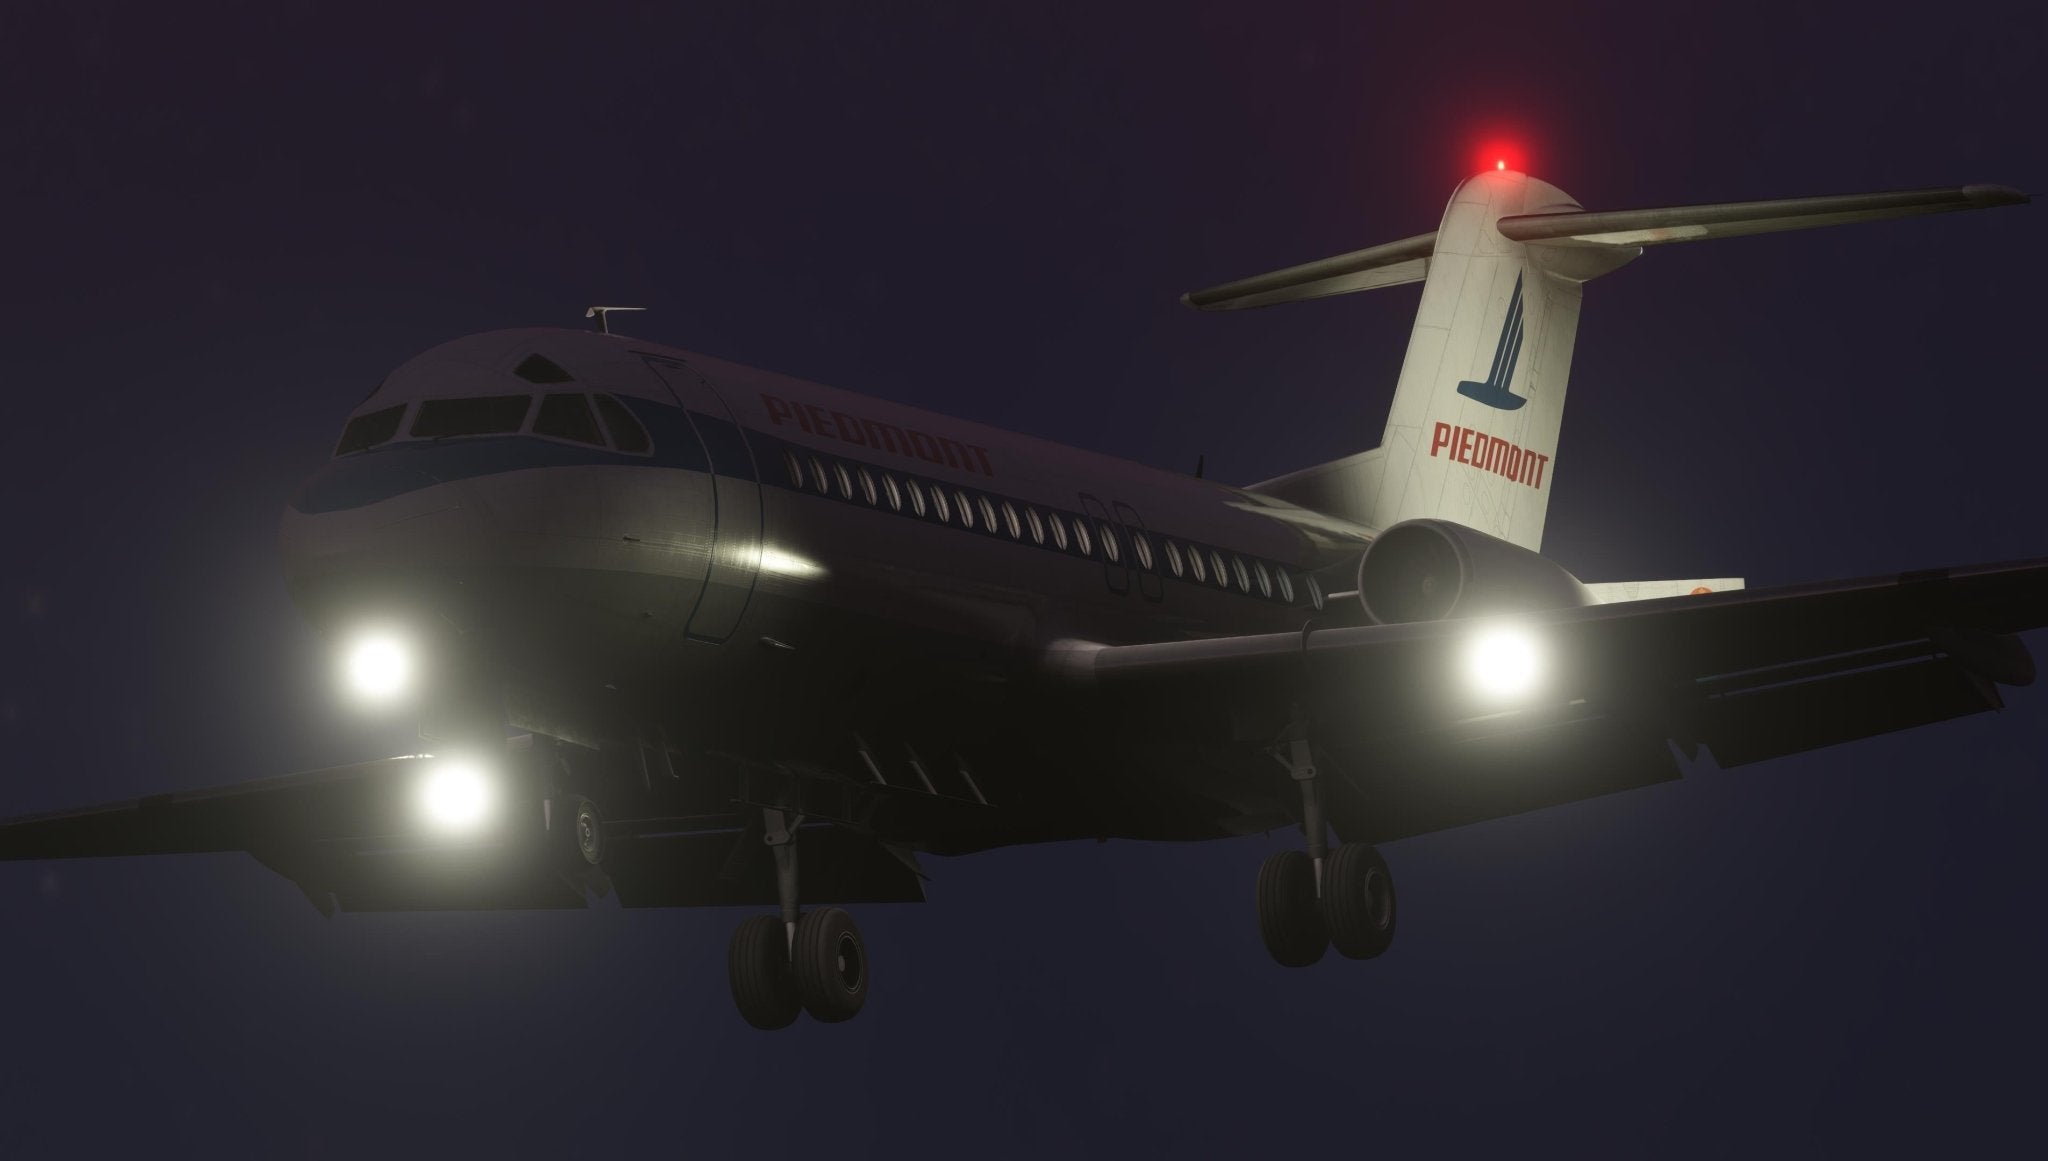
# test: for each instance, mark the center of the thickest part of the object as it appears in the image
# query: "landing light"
(456, 795)
(1503, 662)
(1502, 163)
(378, 666)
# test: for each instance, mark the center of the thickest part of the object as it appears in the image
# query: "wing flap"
(1753, 725)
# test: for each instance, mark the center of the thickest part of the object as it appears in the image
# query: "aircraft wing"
(351, 839)
(1750, 675)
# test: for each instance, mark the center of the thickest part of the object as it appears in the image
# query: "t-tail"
(1472, 435)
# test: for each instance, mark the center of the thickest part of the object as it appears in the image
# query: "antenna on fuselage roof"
(603, 315)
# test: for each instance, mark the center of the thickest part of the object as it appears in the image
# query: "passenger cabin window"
(1142, 545)
(1218, 569)
(916, 492)
(940, 508)
(895, 492)
(1195, 565)
(795, 467)
(1082, 544)
(1173, 560)
(1059, 531)
(627, 434)
(566, 416)
(479, 415)
(966, 508)
(541, 369)
(988, 513)
(1286, 584)
(867, 486)
(1265, 576)
(1037, 525)
(845, 478)
(1110, 545)
(1011, 522)
(367, 431)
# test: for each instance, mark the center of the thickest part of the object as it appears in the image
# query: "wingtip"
(1996, 195)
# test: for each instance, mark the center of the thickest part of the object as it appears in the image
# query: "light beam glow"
(1504, 662)
(378, 667)
(456, 795)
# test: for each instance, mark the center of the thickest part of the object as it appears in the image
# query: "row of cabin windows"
(563, 415)
(1064, 531)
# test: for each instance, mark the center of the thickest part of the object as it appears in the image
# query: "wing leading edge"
(349, 839)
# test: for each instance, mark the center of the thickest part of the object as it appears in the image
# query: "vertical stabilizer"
(1472, 435)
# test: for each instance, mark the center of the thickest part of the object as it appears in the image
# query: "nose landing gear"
(576, 831)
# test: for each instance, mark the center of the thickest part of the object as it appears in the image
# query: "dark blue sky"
(221, 231)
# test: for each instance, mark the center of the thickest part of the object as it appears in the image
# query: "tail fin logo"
(1506, 353)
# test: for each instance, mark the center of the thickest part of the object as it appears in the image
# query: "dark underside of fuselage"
(890, 739)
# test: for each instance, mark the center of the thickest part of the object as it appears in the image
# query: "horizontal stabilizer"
(1615, 592)
(1734, 219)
(1391, 264)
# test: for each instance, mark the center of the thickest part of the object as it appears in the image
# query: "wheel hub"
(848, 964)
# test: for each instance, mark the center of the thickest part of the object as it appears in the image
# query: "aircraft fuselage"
(792, 575)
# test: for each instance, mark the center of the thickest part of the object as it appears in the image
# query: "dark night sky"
(220, 232)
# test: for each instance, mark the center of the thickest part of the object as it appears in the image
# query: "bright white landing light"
(379, 667)
(456, 795)
(1503, 662)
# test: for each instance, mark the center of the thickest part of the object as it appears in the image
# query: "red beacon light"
(1498, 155)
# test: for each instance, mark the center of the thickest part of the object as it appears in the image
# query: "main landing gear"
(1313, 900)
(815, 961)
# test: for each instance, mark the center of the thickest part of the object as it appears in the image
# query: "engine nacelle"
(1427, 570)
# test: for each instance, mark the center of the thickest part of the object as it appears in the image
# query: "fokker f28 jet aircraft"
(693, 634)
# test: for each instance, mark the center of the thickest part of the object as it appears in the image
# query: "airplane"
(688, 633)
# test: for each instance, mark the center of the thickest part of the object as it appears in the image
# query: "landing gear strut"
(1318, 899)
(797, 961)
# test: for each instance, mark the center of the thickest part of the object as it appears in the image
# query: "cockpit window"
(568, 417)
(369, 430)
(479, 415)
(541, 369)
(627, 434)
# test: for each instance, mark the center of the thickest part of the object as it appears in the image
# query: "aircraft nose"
(362, 522)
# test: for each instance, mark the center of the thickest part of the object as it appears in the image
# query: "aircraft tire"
(757, 966)
(579, 833)
(1290, 917)
(1358, 901)
(831, 965)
